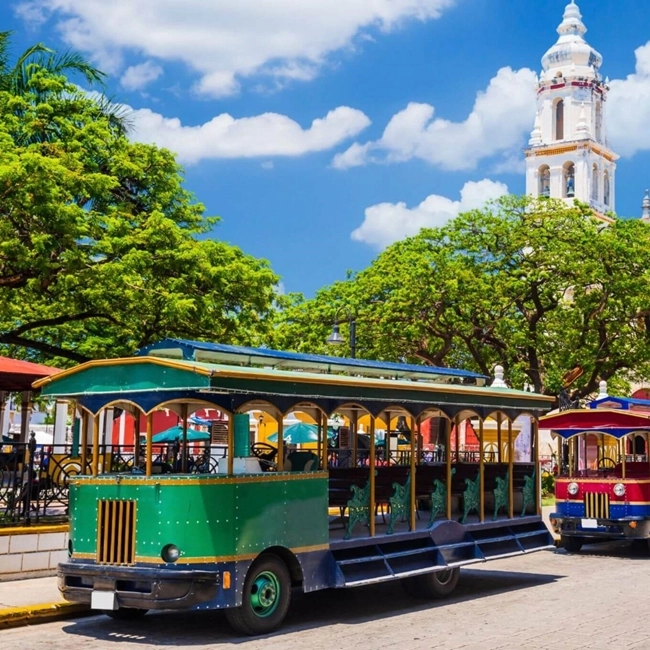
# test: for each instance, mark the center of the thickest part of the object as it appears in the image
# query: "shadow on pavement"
(623, 550)
(308, 611)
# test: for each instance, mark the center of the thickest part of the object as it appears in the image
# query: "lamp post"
(335, 337)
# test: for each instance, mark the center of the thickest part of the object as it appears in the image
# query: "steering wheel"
(606, 463)
(266, 454)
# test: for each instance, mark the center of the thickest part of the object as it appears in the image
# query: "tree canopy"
(555, 296)
(102, 249)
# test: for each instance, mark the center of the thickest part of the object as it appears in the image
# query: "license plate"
(103, 600)
(589, 523)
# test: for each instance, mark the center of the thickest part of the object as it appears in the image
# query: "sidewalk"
(23, 602)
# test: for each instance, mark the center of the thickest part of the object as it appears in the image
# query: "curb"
(44, 613)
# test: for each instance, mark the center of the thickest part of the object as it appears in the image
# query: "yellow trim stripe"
(181, 482)
(103, 363)
(34, 530)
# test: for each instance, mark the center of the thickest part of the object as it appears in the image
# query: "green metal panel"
(124, 378)
(242, 428)
(208, 517)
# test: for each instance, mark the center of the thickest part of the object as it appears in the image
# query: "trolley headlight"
(619, 490)
(170, 553)
(573, 489)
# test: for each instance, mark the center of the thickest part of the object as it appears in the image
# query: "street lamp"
(335, 337)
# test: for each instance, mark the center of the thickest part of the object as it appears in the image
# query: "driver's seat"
(301, 461)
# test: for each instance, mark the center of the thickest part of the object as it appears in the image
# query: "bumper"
(143, 588)
(628, 528)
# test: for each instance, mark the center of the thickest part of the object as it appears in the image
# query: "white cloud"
(268, 164)
(137, 77)
(501, 116)
(264, 135)
(386, 223)
(628, 108)
(226, 40)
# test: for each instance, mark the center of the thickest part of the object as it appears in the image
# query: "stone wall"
(32, 552)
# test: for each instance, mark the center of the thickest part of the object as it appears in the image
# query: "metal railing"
(35, 479)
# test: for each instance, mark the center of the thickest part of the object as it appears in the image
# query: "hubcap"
(265, 594)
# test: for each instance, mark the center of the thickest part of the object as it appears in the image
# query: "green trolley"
(264, 520)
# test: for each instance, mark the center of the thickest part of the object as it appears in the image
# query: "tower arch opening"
(569, 180)
(544, 174)
(595, 181)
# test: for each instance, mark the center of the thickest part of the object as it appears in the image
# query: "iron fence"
(35, 479)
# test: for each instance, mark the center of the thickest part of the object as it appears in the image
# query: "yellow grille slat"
(116, 532)
(596, 505)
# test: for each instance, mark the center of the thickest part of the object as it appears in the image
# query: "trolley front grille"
(596, 505)
(116, 532)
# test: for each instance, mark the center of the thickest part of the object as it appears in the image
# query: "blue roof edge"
(188, 349)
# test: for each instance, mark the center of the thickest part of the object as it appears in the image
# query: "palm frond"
(73, 62)
(5, 40)
(119, 116)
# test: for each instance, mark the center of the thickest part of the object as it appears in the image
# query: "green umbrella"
(299, 433)
(176, 433)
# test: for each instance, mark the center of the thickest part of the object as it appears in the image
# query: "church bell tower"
(568, 156)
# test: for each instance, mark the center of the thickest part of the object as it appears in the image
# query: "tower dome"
(571, 55)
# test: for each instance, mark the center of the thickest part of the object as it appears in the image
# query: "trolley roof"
(319, 363)
(150, 382)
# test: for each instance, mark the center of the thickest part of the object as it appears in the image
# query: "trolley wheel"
(438, 584)
(265, 599)
(571, 544)
(125, 613)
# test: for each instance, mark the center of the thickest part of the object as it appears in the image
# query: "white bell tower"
(569, 157)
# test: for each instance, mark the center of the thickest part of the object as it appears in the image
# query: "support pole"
(448, 459)
(321, 437)
(537, 470)
(481, 471)
(354, 428)
(457, 437)
(96, 445)
(25, 415)
(323, 420)
(3, 406)
(387, 440)
(414, 434)
(280, 442)
(184, 412)
(571, 440)
(371, 478)
(231, 444)
(624, 462)
(149, 460)
(511, 472)
(84, 442)
(499, 451)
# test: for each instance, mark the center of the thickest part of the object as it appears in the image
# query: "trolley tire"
(438, 584)
(125, 613)
(265, 599)
(571, 544)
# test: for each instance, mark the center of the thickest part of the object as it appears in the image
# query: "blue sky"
(279, 109)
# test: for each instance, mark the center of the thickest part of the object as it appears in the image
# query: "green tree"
(15, 78)
(543, 289)
(102, 250)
